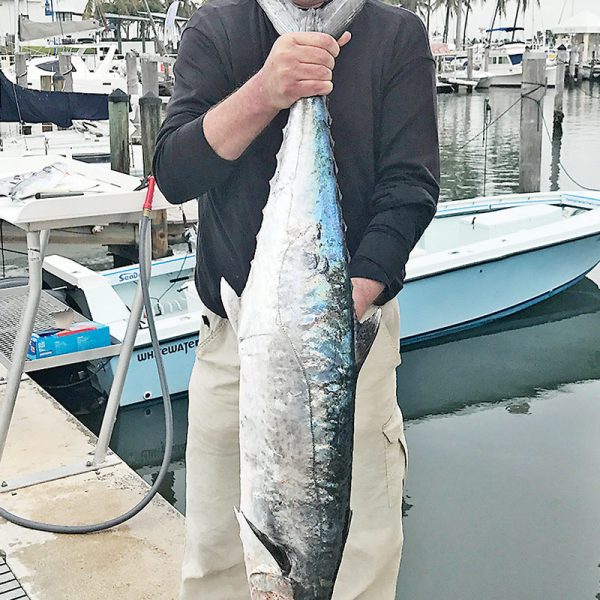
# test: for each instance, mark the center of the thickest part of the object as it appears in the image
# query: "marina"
(500, 329)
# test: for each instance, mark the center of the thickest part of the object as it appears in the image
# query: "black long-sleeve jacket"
(383, 110)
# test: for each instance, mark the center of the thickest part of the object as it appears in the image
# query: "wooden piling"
(46, 86)
(559, 115)
(572, 66)
(150, 119)
(133, 86)
(149, 76)
(21, 59)
(533, 90)
(66, 70)
(118, 117)
(470, 59)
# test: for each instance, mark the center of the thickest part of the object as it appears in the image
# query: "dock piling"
(533, 90)
(470, 60)
(21, 59)
(559, 115)
(133, 88)
(66, 70)
(118, 118)
(150, 120)
(149, 68)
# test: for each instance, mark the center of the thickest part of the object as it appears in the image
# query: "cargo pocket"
(396, 456)
(210, 327)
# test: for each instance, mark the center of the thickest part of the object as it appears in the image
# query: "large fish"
(296, 328)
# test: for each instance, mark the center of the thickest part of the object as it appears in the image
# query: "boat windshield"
(516, 59)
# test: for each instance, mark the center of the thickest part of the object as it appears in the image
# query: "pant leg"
(213, 565)
(213, 562)
(369, 568)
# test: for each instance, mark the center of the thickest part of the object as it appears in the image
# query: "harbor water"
(502, 499)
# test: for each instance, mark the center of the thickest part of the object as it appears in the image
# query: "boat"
(478, 261)
(505, 65)
(96, 68)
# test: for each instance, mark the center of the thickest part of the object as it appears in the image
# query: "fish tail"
(333, 18)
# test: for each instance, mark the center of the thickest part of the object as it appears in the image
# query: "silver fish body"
(44, 180)
(298, 373)
(298, 360)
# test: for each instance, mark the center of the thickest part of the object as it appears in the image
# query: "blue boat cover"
(18, 104)
(505, 29)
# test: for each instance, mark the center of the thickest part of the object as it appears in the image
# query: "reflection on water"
(461, 118)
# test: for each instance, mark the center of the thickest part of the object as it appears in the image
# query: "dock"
(139, 560)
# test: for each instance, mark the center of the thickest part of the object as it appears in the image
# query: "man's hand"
(299, 65)
(364, 293)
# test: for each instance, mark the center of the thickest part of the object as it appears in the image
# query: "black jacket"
(383, 111)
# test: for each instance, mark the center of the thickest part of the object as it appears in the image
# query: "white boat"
(96, 69)
(478, 261)
(505, 65)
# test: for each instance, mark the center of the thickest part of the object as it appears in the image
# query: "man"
(234, 81)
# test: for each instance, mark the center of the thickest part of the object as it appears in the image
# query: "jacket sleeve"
(185, 165)
(407, 166)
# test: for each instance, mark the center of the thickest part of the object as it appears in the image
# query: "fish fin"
(333, 18)
(364, 336)
(231, 302)
(261, 553)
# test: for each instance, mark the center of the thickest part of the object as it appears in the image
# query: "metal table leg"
(15, 371)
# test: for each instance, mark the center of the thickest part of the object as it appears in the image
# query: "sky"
(543, 17)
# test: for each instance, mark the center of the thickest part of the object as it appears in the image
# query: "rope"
(488, 125)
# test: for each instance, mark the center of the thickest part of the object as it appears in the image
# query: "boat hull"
(470, 296)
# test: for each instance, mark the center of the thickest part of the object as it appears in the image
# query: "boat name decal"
(174, 348)
(129, 276)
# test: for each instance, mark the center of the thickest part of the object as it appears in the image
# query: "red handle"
(149, 193)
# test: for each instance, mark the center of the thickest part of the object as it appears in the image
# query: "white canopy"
(583, 22)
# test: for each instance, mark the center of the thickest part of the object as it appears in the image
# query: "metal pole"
(533, 90)
(23, 336)
(118, 117)
(114, 397)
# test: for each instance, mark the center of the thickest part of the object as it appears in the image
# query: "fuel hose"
(145, 258)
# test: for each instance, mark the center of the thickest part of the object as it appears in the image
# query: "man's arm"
(407, 169)
(299, 65)
(209, 124)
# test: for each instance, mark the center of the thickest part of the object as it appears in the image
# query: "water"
(503, 494)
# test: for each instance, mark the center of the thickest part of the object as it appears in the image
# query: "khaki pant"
(213, 567)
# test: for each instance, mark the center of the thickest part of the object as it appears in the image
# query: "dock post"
(118, 118)
(559, 115)
(133, 87)
(21, 59)
(150, 119)
(149, 76)
(533, 90)
(572, 66)
(66, 70)
(470, 58)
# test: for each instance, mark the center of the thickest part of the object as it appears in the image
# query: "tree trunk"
(516, 19)
(447, 24)
(467, 11)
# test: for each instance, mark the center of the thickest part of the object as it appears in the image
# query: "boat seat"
(486, 226)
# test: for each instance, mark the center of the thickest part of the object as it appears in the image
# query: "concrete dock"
(139, 560)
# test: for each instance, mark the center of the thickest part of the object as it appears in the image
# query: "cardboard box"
(79, 336)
